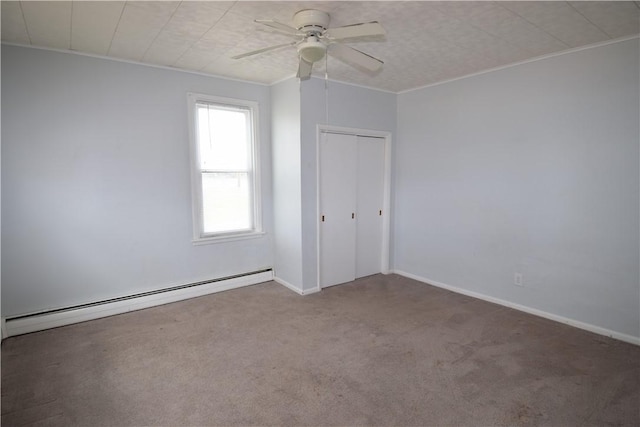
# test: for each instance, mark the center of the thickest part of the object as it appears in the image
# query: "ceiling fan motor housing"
(311, 21)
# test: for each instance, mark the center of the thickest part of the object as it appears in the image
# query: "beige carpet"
(383, 350)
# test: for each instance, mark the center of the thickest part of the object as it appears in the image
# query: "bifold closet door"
(351, 179)
(369, 201)
(337, 175)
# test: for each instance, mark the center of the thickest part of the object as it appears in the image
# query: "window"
(224, 157)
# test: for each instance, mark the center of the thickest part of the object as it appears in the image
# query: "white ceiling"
(426, 42)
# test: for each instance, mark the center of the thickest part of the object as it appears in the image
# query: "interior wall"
(349, 106)
(531, 169)
(96, 196)
(287, 192)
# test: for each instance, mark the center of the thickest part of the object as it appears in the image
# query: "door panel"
(338, 156)
(370, 187)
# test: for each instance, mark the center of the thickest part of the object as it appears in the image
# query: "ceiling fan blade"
(304, 69)
(279, 26)
(271, 30)
(264, 49)
(356, 30)
(354, 57)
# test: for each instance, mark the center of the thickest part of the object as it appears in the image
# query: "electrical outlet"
(517, 279)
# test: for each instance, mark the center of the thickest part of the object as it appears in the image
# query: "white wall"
(530, 169)
(95, 181)
(349, 106)
(285, 102)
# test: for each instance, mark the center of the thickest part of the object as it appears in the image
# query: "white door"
(338, 154)
(351, 179)
(369, 201)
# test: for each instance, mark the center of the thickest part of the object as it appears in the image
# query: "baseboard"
(286, 284)
(310, 291)
(3, 328)
(294, 288)
(561, 319)
(39, 322)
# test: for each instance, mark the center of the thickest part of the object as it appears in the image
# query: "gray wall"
(95, 181)
(349, 106)
(287, 192)
(530, 169)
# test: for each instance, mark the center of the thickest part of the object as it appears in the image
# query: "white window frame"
(199, 236)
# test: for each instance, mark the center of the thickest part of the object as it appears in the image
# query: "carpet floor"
(383, 350)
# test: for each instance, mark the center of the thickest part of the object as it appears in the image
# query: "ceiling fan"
(314, 39)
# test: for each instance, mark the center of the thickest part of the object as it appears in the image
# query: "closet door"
(369, 201)
(338, 157)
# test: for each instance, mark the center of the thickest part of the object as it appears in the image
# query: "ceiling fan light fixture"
(312, 49)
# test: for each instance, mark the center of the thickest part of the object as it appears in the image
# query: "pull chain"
(326, 88)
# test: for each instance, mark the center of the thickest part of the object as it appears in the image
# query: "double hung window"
(225, 181)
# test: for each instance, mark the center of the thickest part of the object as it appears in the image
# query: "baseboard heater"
(22, 324)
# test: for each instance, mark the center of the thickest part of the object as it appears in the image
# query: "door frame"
(386, 196)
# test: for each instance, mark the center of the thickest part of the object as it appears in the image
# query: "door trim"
(386, 197)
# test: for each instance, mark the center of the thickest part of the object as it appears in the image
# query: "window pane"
(223, 140)
(226, 202)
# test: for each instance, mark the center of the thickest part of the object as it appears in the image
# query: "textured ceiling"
(426, 42)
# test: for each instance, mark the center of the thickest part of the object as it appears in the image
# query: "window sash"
(237, 150)
(226, 202)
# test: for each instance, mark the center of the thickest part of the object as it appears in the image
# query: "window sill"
(227, 238)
